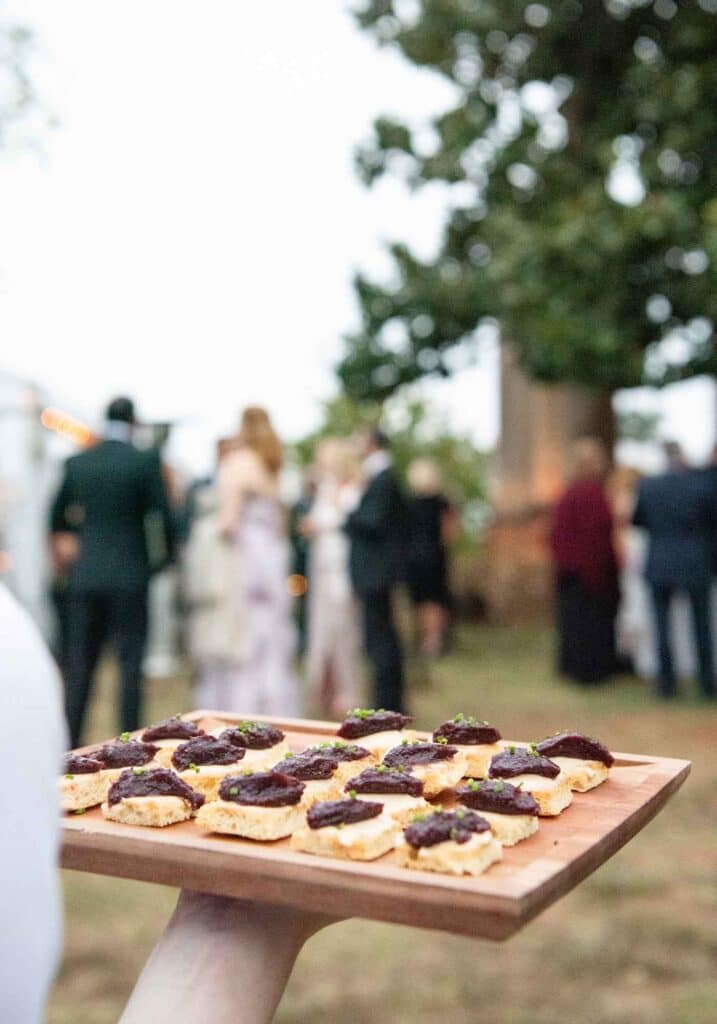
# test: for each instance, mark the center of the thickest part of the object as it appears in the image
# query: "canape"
(511, 813)
(204, 761)
(255, 805)
(451, 842)
(83, 783)
(263, 743)
(438, 765)
(353, 829)
(479, 741)
(585, 761)
(350, 758)
(168, 735)
(534, 774)
(400, 792)
(155, 797)
(125, 753)
(317, 770)
(378, 730)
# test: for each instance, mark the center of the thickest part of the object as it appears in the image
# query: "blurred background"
(490, 228)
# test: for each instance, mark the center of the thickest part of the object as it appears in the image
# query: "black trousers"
(93, 618)
(383, 648)
(586, 631)
(699, 597)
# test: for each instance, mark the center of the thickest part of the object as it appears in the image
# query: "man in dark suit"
(679, 509)
(113, 501)
(377, 530)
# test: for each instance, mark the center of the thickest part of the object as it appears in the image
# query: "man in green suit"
(111, 498)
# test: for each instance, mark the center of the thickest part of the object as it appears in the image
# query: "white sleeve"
(33, 739)
(326, 516)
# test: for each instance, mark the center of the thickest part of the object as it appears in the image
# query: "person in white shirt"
(33, 739)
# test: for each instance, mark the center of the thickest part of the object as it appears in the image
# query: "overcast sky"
(189, 233)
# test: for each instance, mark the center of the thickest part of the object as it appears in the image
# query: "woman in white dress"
(251, 518)
(214, 628)
(334, 636)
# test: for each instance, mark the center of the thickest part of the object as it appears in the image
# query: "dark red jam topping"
(262, 789)
(444, 825)
(385, 780)
(153, 782)
(81, 764)
(419, 753)
(309, 765)
(467, 730)
(341, 812)
(496, 796)
(253, 735)
(574, 744)
(365, 722)
(205, 750)
(131, 753)
(172, 729)
(343, 751)
(521, 761)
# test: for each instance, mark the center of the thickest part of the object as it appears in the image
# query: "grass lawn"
(635, 944)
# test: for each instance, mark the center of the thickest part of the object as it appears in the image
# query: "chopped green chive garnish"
(233, 790)
(124, 737)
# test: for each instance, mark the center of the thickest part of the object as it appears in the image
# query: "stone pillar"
(538, 425)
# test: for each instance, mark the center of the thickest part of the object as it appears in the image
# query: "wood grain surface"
(530, 877)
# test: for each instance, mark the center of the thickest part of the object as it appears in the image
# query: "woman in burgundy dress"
(586, 570)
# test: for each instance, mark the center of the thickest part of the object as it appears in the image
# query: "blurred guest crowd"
(261, 584)
(634, 559)
(258, 583)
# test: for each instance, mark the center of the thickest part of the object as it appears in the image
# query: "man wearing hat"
(110, 498)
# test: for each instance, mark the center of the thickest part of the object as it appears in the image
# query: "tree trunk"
(539, 423)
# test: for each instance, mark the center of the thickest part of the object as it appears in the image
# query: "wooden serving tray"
(530, 877)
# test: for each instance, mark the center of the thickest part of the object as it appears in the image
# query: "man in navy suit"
(679, 511)
(377, 531)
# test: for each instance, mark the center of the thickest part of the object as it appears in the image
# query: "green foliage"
(342, 417)
(414, 433)
(550, 99)
(637, 426)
